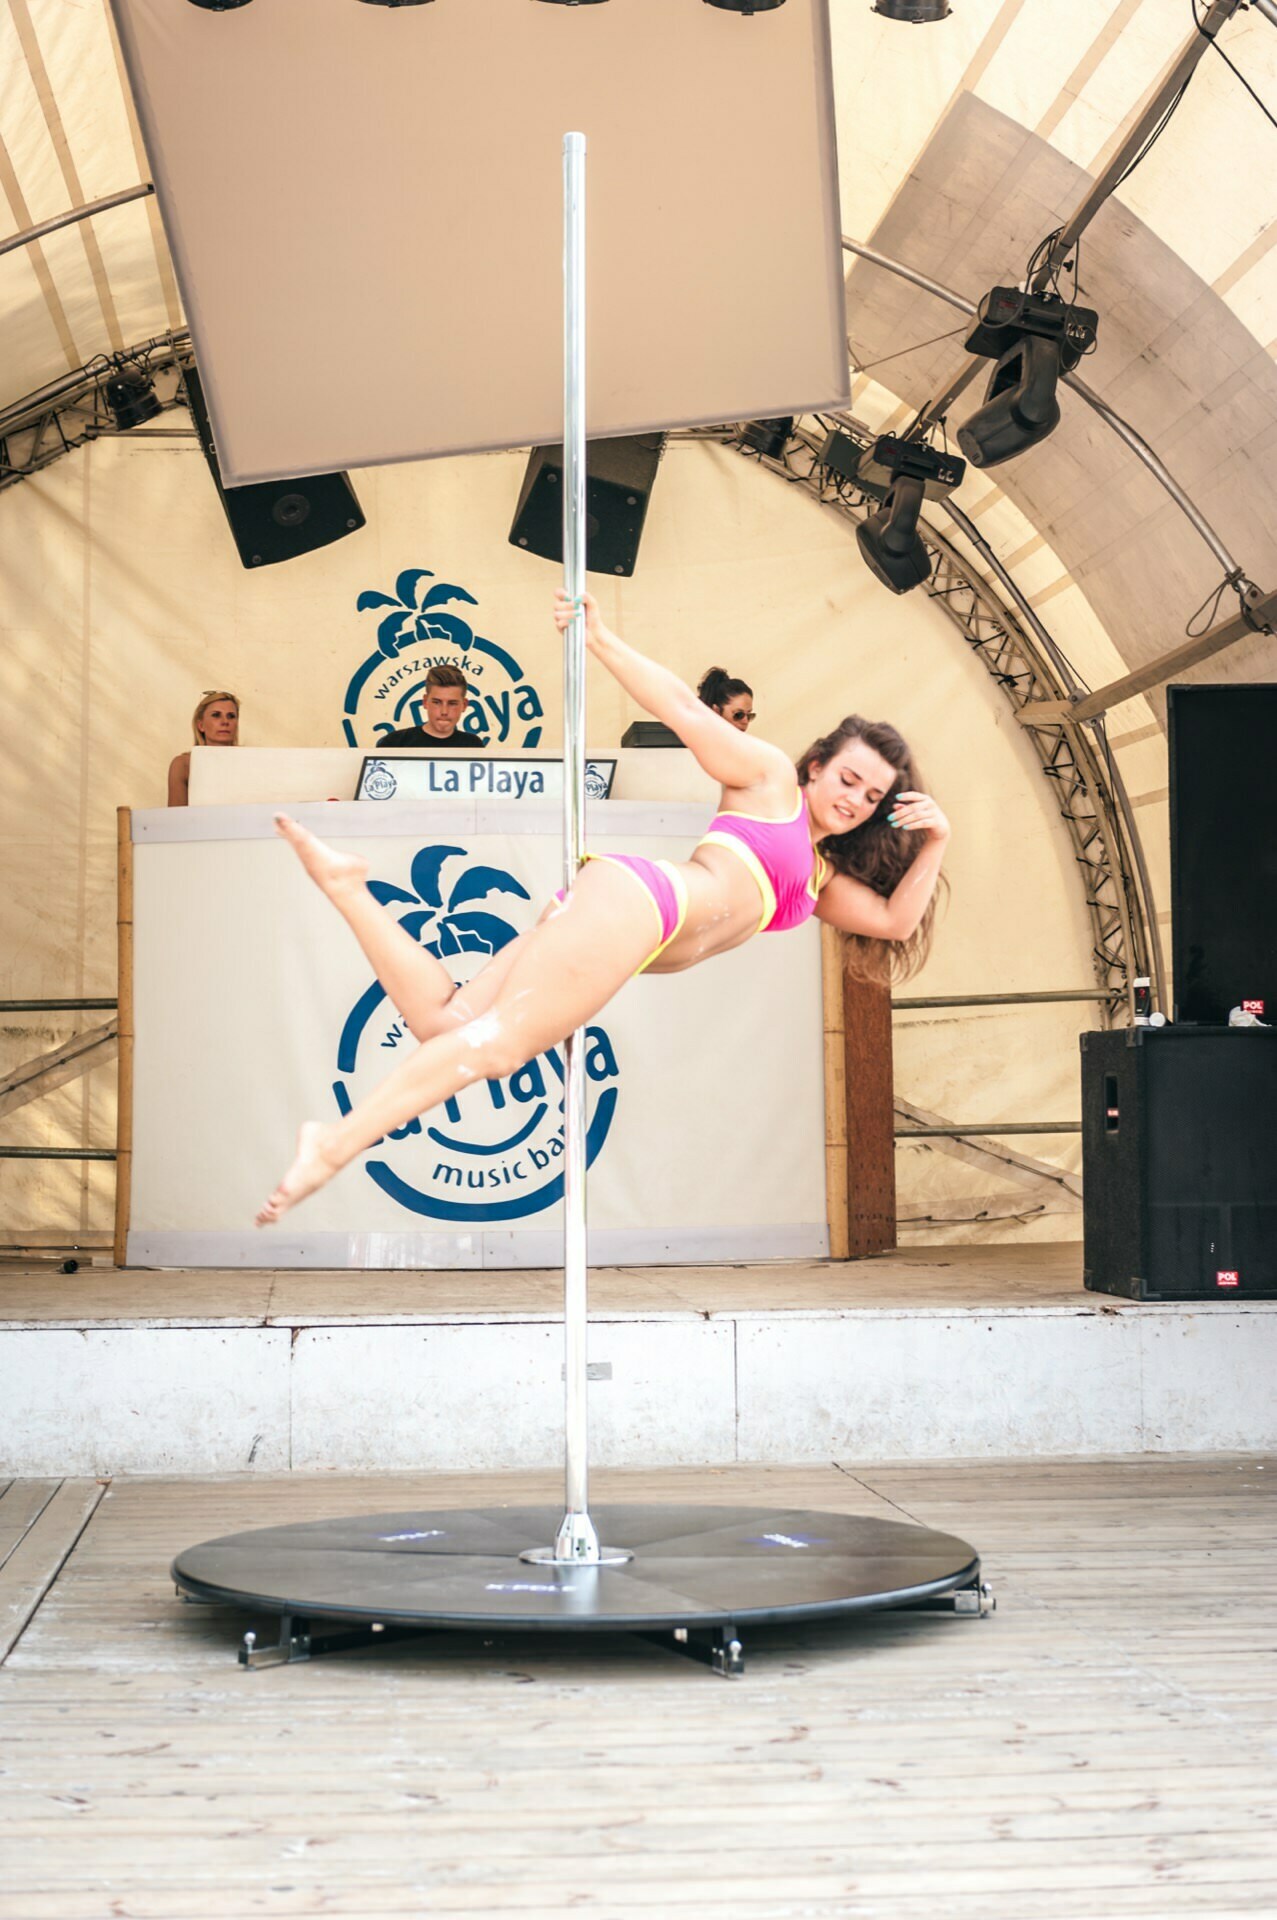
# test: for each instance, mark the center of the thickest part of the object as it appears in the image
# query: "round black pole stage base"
(697, 1573)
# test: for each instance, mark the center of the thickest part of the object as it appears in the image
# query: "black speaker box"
(275, 520)
(1223, 776)
(618, 485)
(1179, 1163)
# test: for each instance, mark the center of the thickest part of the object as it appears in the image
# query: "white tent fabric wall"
(127, 599)
(122, 597)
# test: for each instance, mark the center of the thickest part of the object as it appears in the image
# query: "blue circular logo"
(495, 1150)
(419, 627)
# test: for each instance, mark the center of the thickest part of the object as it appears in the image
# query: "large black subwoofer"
(1179, 1163)
(618, 488)
(274, 520)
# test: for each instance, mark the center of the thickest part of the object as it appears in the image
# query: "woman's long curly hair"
(875, 852)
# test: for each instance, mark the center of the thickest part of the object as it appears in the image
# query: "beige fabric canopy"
(961, 145)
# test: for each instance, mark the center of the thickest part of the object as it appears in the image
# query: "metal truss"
(73, 411)
(1027, 665)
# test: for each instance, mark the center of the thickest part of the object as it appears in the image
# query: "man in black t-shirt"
(447, 698)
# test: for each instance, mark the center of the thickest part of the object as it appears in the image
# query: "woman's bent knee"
(496, 1053)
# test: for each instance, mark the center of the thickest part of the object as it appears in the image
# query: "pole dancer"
(847, 834)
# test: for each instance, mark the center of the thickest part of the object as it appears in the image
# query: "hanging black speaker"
(274, 520)
(618, 485)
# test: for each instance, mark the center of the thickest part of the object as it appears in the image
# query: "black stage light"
(842, 455)
(218, 6)
(391, 3)
(746, 6)
(889, 539)
(1020, 405)
(919, 12)
(769, 437)
(130, 394)
(1033, 337)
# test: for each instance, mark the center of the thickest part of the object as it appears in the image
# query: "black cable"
(1153, 137)
(1211, 40)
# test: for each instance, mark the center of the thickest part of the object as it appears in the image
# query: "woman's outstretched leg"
(565, 970)
(418, 984)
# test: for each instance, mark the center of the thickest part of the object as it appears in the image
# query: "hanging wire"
(1210, 605)
(1211, 40)
(864, 366)
(1155, 136)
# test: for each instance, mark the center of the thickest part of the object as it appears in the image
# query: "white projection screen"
(364, 206)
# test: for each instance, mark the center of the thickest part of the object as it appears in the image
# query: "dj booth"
(251, 1008)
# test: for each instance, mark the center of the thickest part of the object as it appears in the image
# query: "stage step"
(958, 1353)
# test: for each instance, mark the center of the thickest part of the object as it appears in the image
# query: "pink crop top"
(788, 870)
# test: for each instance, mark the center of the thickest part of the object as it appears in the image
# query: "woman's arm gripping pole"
(726, 754)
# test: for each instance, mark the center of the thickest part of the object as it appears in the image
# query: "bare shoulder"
(773, 793)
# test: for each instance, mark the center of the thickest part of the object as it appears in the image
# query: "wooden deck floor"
(933, 1277)
(1101, 1747)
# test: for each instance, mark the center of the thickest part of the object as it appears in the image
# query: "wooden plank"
(871, 1146)
(125, 1026)
(836, 1198)
(21, 1504)
(37, 1558)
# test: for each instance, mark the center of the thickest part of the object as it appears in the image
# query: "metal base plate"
(691, 1567)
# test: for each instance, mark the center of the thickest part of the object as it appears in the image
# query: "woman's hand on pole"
(565, 608)
(918, 813)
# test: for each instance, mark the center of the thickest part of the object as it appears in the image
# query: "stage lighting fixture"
(1006, 313)
(218, 6)
(842, 455)
(769, 437)
(919, 13)
(889, 540)
(1020, 405)
(130, 394)
(746, 6)
(1033, 338)
(391, 3)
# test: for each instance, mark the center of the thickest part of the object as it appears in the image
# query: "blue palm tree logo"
(416, 616)
(420, 627)
(502, 1149)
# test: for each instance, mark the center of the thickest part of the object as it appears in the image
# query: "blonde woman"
(214, 723)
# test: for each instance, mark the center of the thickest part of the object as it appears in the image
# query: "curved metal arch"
(1019, 653)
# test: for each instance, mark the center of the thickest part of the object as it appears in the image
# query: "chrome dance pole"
(577, 1543)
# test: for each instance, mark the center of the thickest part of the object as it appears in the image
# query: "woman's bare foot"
(309, 1171)
(332, 871)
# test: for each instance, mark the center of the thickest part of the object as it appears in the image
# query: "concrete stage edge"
(939, 1353)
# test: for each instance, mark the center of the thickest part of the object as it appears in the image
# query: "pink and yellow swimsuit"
(787, 870)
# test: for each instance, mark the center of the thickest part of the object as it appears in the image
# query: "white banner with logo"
(255, 1009)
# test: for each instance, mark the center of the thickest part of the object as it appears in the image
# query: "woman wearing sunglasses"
(846, 835)
(734, 699)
